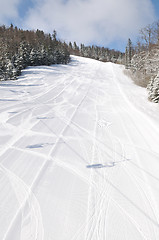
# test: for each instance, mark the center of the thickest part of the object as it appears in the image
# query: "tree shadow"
(39, 145)
(19, 85)
(99, 165)
(106, 165)
(8, 100)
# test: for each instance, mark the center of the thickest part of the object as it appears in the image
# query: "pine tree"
(19, 49)
(130, 51)
(75, 48)
(128, 54)
(44, 58)
(54, 35)
(126, 58)
(1, 71)
(10, 71)
(33, 57)
(153, 89)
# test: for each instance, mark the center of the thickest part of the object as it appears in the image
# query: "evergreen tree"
(33, 57)
(54, 35)
(153, 89)
(128, 54)
(44, 58)
(19, 49)
(126, 58)
(10, 71)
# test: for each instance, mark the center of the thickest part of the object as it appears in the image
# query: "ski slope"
(79, 155)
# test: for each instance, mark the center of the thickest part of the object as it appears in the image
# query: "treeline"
(95, 52)
(143, 60)
(21, 48)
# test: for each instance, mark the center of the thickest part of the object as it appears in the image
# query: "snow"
(79, 156)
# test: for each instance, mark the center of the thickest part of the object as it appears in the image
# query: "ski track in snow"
(78, 158)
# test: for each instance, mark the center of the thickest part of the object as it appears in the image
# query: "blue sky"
(156, 6)
(106, 23)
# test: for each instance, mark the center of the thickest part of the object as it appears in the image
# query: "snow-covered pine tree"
(2, 68)
(81, 49)
(33, 57)
(21, 58)
(126, 58)
(75, 47)
(130, 51)
(24, 48)
(128, 54)
(19, 63)
(39, 57)
(1, 72)
(153, 89)
(44, 57)
(10, 71)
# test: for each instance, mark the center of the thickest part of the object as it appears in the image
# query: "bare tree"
(148, 35)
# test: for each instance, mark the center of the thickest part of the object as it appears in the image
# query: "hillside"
(78, 155)
(22, 48)
(143, 60)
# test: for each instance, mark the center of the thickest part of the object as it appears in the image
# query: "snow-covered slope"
(79, 155)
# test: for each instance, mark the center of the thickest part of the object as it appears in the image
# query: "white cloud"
(88, 21)
(8, 10)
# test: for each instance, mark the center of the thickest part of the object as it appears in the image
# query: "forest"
(98, 53)
(21, 48)
(142, 60)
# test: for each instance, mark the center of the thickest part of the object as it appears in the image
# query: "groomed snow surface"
(79, 155)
